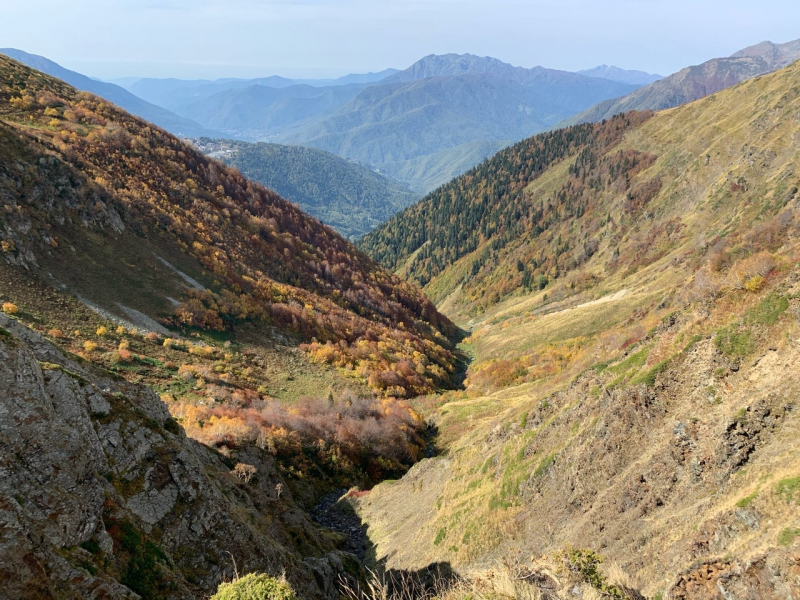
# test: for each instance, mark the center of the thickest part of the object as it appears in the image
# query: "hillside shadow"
(336, 514)
(463, 359)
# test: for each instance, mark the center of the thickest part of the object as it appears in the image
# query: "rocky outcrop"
(103, 496)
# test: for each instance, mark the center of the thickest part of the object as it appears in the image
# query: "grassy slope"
(628, 408)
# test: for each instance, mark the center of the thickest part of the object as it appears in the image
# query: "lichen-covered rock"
(99, 500)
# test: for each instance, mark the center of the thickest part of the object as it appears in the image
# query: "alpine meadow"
(281, 321)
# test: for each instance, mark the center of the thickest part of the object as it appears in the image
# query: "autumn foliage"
(348, 437)
(263, 259)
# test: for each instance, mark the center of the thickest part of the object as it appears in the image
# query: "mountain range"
(695, 82)
(430, 112)
(421, 125)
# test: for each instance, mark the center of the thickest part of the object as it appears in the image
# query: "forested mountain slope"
(695, 82)
(532, 213)
(157, 271)
(490, 209)
(349, 197)
(134, 251)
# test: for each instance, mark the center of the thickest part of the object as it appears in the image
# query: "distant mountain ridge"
(441, 105)
(258, 112)
(113, 93)
(695, 82)
(440, 65)
(173, 92)
(421, 126)
(613, 73)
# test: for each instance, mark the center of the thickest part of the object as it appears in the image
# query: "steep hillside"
(345, 195)
(113, 93)
(693, 83)
(633, 296)
(621, 75)
(104, 496)
(445, 102)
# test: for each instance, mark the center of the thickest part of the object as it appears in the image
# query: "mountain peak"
(613, 73)
(777, 55)
(438, 65)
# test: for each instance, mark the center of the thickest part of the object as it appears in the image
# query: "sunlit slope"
(601, 208)
(642, 403)
(110, 208)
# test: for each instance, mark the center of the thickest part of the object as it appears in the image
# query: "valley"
(571, 369)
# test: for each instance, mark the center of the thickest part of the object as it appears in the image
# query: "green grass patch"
(635, 360)
(649, 376)
(747, 500)
(545, 464)
(440, 535)
(601, 366)
(734, 341)
(690, 344)
(257, 586)
(496, 502)
(787, 488)
(788, 535)
(768, 311)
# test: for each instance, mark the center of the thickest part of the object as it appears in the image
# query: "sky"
(112, 39)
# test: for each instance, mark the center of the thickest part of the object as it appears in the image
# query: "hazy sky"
(318, 38)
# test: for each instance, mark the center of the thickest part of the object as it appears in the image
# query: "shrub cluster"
(348, 437)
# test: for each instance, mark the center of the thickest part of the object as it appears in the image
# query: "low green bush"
(255, 586)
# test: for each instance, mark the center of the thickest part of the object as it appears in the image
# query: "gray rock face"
(90, 479)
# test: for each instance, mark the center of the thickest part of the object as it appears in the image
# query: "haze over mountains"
(442, 105)
(695, 82)
(421, 125)
(113, 93)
